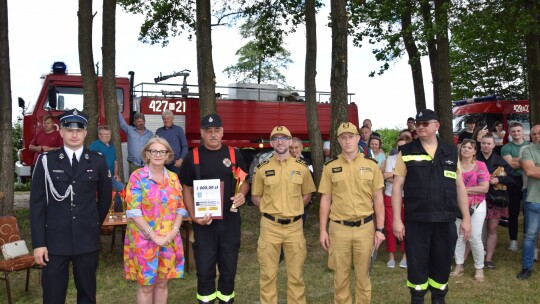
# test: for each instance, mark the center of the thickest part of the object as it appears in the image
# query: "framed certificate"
(208, 198)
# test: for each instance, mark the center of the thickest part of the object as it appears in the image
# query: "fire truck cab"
(248, 111)
(491, 109)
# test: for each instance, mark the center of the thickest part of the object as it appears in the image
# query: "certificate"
(208, 198)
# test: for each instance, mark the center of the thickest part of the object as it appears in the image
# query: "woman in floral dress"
(153, 251)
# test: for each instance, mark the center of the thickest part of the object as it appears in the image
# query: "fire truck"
(248, 111)
(489, 109)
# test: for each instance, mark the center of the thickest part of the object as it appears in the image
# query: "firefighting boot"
(417, 296)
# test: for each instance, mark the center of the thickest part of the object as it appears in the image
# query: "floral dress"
(158, 204)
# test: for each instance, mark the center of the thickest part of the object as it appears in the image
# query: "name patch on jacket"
(270, 172)
(450, 174)
(336, 170)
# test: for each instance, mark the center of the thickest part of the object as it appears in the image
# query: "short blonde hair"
(157, 140)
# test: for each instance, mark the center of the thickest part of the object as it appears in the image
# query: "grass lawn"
(388, 285)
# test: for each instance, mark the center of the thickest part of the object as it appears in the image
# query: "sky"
(42, 32)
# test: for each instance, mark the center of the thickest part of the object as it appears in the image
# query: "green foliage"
(258, 60)
(487, 50)
(162, 18)
(388, 138)
(22, 186)
(16, 137)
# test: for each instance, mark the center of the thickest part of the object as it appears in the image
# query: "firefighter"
(70, 196)
(282, 187)
(352, 198)
(217, 241)
(428, 173)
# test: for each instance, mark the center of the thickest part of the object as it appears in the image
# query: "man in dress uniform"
(70, 196)
(352, 201)
(282, 187)
(428, 175)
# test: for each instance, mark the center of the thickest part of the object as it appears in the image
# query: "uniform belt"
(282, 221)
(365, 220)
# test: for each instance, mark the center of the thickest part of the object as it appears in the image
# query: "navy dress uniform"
(70, 197)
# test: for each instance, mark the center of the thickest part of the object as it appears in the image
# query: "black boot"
(417, 296)
(438, 296)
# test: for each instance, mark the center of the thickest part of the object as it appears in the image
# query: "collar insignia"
(86, 156)
(61, 156)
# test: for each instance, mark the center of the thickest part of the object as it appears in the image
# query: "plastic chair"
(9, 232)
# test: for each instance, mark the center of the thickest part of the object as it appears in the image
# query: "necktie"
(74, 162)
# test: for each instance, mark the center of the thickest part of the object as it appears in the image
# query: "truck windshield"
(72, 97)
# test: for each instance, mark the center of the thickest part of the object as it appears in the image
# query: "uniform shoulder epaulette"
(371, 158)
(331, 160)
(261, 164)
(302, 161)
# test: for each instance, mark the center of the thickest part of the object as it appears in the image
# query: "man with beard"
(282, 186)
(137, 137)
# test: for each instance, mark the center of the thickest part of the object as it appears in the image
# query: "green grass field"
(500, 285)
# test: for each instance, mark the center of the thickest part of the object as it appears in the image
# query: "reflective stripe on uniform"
(450, 174)
(225, 298)
(407, 158)
(417, 287)
(436, 285)
(208, 298)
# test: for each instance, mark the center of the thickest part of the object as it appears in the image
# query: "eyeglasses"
(156, 152)
(424, 124)
(281, 139)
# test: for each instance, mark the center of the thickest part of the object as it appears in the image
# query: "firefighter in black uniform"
(217, 241)
(428, 173)
(70, 196)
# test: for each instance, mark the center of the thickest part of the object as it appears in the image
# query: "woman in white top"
(388, 217)
(498, 133)
(375, 143)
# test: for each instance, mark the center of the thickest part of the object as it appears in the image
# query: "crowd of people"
(430, 198)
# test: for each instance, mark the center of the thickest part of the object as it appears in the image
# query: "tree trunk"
(109, 79)
(338, 76)
(205, 65)
(6, 129)
(414, 56)
(429, 31)
(315, 139)
(86, 62)
(443, 85)
(532, 45)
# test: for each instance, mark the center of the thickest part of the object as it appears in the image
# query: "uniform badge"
(269, 173)
(226, 162)
(448, 162)
(210, 120)
(337, 170)
(61, 156)
(75, 112)
(86, 156)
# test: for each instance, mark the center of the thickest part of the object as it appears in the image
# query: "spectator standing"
(326, 151)
(531, 166)
(470, 123)
(388, 214)
(510, 153)
(494, 213)
(153, 250)
(365, 133)
(411, 128)
(45, 140)
(282, 187)
(103, 145)
(476, 179)
(296, 151)
(367, 123)
(176, 137)
(69, 200)
(433, 193)
(217, 241)
(498, 134)
(353, 208)
(375, 144)
(137, 137)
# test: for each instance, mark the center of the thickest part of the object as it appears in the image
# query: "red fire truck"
(490, 109)
(248, 111)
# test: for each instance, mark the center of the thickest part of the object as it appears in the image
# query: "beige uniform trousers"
(351, 246)
(272, 237)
